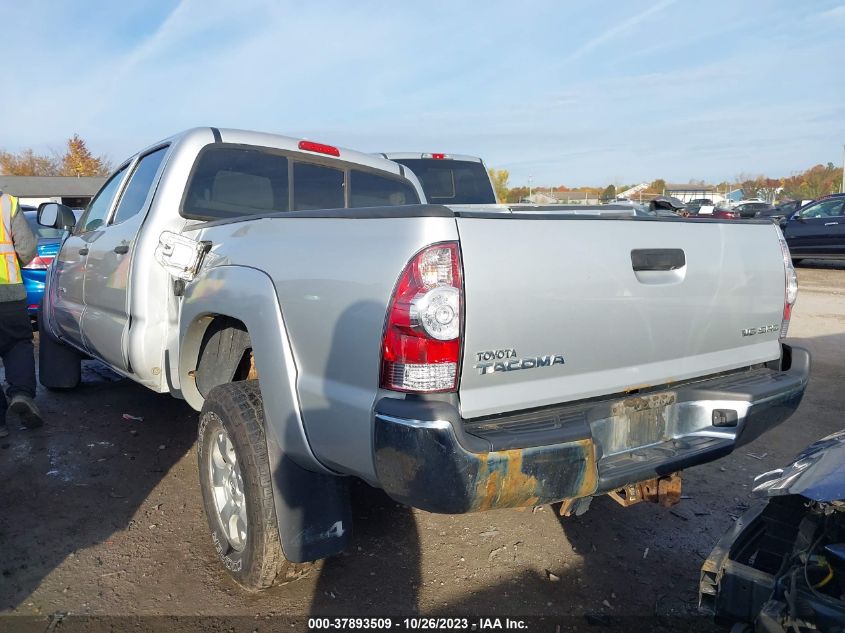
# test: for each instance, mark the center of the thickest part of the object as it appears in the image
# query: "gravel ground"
(102, 516)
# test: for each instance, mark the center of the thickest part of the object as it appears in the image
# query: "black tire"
(237, 408)
(59, 366)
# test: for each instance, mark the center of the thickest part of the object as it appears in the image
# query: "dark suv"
(818, 229)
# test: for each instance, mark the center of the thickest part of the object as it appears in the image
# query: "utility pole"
(842, 189)
(529, 185)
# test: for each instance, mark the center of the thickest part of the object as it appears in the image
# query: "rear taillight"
(437, 156)
(790, 293)
(422, 337)
(39, 263)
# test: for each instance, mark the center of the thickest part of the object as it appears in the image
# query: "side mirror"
(56, 216)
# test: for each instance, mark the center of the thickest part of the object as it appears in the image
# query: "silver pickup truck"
(330, 324)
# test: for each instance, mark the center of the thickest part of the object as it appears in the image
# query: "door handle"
(122, 249)
(831, 223)
(83, 251)
(652, 259)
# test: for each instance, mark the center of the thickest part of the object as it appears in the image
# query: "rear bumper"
(33, 281)
(426, 456)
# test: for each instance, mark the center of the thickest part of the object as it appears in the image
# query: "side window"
(95, 215)
(370, 190)
(135, 193)
(231, 181)
(837, 211)
(824, 209)
(317, 187)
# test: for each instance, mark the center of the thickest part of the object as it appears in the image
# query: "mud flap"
(313, 511)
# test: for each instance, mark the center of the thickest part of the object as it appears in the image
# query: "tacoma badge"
(506, 360)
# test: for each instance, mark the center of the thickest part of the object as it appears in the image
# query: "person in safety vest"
(17, 248)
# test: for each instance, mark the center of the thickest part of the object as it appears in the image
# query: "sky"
(579, 92)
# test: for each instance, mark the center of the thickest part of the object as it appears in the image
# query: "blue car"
(35, 273)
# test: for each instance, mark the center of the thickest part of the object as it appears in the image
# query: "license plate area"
(635, 422)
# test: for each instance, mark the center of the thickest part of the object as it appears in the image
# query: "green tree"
(609, 193)
(658, 186)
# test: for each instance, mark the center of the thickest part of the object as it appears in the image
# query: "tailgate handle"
(658, 259)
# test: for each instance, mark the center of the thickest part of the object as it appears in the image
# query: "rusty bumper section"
(423, 464)
(426, 456)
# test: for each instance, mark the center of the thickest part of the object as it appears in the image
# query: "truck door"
(66, 290)
(107, 272)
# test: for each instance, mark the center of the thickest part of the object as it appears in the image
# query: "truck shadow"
(83, 476)
(381, 572)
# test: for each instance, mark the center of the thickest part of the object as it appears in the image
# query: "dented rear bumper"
(426, 456)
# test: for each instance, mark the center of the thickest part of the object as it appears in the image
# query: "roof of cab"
(277, 141)
(419, 155)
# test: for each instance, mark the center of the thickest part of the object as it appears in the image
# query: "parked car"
(329, 325)
(449, 178)
(751, 209)
(781, 567)
(782, 210)
(662, 204)
(694, 205)
(725, 213)
(47, 246)
(817, 230)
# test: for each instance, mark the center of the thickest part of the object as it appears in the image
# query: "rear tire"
(237, 489)
(59, 366)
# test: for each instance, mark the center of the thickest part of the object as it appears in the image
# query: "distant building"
(563, 197)
(688, 192)
(72, 191)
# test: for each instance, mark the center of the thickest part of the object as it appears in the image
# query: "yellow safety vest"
(10, 268)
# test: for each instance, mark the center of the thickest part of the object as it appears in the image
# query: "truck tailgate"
(555, 310)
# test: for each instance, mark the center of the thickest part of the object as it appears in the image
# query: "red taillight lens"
(320, 148)
(437, 156)
(422, 338)
(39, 263)
(790, 292)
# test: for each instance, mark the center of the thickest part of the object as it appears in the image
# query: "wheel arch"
(231, 297)
(312, 503)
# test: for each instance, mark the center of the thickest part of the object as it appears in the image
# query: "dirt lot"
(102, 515)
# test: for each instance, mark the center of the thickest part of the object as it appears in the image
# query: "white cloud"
(618, 29)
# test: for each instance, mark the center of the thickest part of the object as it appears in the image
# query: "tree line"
(814, 182)
(77, 160)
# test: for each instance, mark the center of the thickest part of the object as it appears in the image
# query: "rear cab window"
(367, 189)
(231, 181)
(317, 187)
(448, 181)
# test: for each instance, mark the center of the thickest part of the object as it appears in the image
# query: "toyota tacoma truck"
(330, 324)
